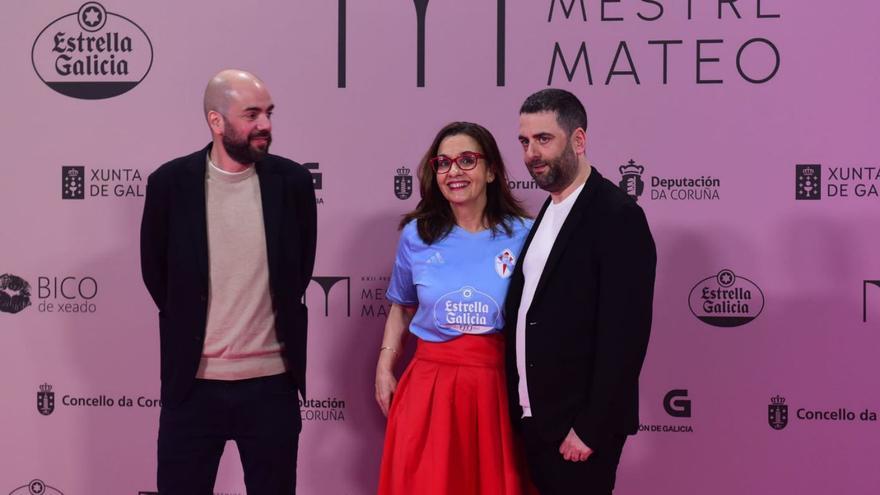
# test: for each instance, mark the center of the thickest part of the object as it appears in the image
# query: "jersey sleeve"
(402, 290)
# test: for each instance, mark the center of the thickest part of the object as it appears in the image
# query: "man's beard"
(560, 172)
(241, 150)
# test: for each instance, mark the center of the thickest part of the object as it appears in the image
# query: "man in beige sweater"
(227, 250)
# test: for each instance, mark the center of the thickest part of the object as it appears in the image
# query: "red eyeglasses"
(465, 161)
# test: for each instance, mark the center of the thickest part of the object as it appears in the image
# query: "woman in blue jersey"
(448, 428)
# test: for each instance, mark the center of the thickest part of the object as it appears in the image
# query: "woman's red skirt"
(448, 428)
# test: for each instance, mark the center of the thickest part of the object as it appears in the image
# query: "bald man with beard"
(227, 250)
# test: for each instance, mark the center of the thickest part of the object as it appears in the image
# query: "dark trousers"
(260, 414)
(553, 475)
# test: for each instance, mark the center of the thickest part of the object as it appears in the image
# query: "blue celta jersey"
(459, 282)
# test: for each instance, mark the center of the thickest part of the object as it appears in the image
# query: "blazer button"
(531, 364)
(533, 323)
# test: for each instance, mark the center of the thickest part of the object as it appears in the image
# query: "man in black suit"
(227, 250)
(578, 308)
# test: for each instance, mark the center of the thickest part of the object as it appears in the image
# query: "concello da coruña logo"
(92, 54)
(726, 300)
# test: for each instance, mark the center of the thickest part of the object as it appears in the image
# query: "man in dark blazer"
(578, 309)
(227, 250)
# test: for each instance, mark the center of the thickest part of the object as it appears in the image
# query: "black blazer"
(589, 322)
(174, 261)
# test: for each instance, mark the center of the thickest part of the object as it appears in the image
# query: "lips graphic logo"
(92, 54)
(15, 293)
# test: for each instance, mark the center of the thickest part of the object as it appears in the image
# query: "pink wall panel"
(747, 100)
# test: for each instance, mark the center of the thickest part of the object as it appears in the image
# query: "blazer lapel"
(272, 198)
(192, 196)
(569, 226)
(518, 269)
(517, 280)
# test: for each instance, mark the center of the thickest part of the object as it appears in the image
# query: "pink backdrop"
(806, 262)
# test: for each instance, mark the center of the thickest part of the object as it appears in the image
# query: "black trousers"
(553, 475)
(260, 414)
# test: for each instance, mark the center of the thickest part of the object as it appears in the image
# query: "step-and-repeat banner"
(747, 130)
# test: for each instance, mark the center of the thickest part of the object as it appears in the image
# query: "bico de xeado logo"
(54, 294)
(726, 300)
(92, 54)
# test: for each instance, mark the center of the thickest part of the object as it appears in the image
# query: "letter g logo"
(675, 407)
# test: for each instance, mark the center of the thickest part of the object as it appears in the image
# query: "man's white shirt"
(533, 267)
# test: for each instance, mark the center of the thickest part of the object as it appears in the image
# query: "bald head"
(230, 86)
(238, 109)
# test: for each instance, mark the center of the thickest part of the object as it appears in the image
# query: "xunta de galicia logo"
(92, 54)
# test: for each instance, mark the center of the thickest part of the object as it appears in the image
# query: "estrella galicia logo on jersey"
(777, 413)
(631, 179)
(808, 181)
(403, 183)
(45, 399)
(466, 310)
(15, 293)
(36, 487)
(92, 54)
(505, 261)
(73, 183)
(726, 300)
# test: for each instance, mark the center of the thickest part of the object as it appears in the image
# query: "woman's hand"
(396, 326)
(386, 384)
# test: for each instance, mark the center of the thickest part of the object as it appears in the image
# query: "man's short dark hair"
(570, 112)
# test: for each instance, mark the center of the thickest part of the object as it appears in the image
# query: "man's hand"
(573, 448)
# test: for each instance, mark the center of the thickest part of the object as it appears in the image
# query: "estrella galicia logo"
(808, 181)
(466, 310)
(777, 413)
(403, 183)
(15, 293)
(45, 399)
(631, 179)
(726, 300)
(36, 487)
(327, 284)
(675, 405)
(73, 183)
(92, 54)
